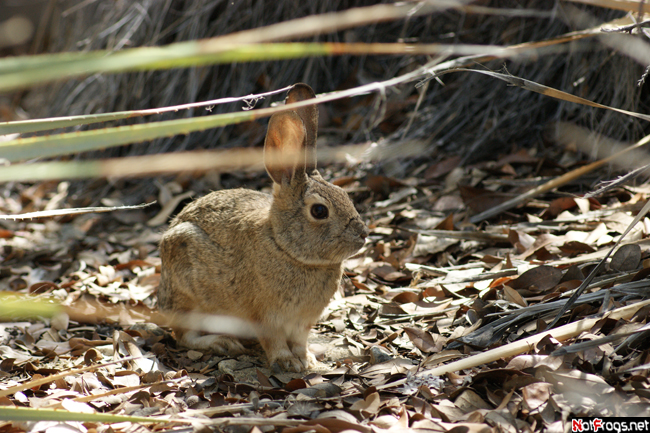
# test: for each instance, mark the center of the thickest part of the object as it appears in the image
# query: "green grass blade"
(35, 125)
(24, 126)
(29, 414)
(21, 72)
(248, 45)
(15, 305)
(74, 142)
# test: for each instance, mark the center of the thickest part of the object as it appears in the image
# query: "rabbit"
(272, 260)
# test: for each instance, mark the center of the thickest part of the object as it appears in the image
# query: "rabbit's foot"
(301, 352)
(287, 361)
(219, 344)
(284, 355)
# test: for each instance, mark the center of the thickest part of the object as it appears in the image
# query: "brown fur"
(263, 259)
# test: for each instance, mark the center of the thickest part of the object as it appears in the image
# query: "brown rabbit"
(273, 261)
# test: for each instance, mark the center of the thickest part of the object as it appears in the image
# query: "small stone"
(194, 355)
(228, 365)
(379, 355)
(60, 322)
(106, 350)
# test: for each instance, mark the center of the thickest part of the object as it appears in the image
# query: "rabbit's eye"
(319, 211)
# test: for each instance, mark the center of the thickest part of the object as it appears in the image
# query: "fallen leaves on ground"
(427, 290)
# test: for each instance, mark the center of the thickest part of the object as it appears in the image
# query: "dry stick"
(123, 390)
(52, 378)
(347, 48)
(457, 234)
(336, 21)
(71, 211)
(324, 23)
(569, 303)
(629, 28)
(515, 348)
(554, 183)
(248, 421)
(623, 5)
(579, 347)
(250, 101)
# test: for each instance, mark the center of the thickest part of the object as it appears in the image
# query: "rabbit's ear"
(284, 147)
(309, 115)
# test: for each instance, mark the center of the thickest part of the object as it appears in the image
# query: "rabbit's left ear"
(309, 116)
(284, 147)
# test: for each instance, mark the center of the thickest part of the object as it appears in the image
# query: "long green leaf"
(35, 125)
(74, 142)
(23, 72)
(242, 46)
(15, 305)
(488, 53)
(19, 72)
(29, 414)
(166, 163)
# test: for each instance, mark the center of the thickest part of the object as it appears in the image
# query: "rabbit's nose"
(364, 232)
(359, 228)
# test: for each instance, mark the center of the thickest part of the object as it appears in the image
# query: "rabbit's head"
(313, 221)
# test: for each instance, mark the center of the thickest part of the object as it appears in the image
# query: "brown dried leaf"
(480, 200)
(422, 339)
(557, 206)
(295, 384)
(519, 157)
(469, 401)
(513, 296)
(406, 297)
(443, 167)
(369, 405)
(573, 248)
(383, 185)
(332, 425)
(537, 280)
(626, 258)
(447, 223)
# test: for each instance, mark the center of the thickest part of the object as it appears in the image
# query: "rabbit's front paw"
(289, 362)
(283, 354)
(301, 352)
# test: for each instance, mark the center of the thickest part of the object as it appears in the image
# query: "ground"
(430, 289)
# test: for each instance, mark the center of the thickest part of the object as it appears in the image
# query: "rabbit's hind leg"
(219, 344)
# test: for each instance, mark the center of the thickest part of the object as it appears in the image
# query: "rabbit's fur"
(273, 261)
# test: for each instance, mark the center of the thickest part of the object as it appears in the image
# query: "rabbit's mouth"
(358, 230)
(359, 242)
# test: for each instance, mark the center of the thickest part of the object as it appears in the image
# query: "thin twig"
(509, 350)
(628, 28)
(555, 183)
(600, 265)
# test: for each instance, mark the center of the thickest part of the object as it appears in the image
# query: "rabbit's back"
(206, 255)
(237, 211)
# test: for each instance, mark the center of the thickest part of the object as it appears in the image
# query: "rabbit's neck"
(302, 262)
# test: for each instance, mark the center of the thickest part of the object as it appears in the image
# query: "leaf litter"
(429, 290)
(433, 288)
